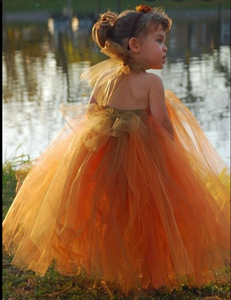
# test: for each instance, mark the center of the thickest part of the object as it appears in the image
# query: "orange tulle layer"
(116, 196)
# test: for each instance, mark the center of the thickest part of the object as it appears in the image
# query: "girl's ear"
(134, 45)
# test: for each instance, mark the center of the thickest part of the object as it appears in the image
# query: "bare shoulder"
(153, 81)
(149, 81)
(155, 87)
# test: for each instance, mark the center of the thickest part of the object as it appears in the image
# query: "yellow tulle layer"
(116, 196)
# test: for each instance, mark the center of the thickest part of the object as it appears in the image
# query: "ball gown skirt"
(116, 196)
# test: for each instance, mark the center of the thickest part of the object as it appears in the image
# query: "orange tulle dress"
(116, 196)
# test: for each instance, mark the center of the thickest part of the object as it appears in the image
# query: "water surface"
(43, 61)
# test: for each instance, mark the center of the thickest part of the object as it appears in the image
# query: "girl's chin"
(158, 68)
(155, 67)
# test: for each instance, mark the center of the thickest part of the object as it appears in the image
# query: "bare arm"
(92, 100)
(157, 103)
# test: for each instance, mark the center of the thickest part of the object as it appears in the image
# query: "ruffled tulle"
(116, 196)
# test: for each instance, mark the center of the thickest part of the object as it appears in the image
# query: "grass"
(20, 284)
(91, 6)
(9, 180)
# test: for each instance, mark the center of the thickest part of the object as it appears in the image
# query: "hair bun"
(102, 28)
(107, 19)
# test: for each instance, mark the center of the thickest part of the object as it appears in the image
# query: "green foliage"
(93, 6)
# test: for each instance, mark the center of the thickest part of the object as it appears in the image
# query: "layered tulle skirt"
(116, 196)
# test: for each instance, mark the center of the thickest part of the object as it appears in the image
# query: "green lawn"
(91, 6)
(26, 285)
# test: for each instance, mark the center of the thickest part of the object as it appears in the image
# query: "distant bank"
(43, 15)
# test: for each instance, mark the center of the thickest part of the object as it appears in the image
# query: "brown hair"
(118, 28)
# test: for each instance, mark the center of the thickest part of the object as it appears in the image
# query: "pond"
(43, 59)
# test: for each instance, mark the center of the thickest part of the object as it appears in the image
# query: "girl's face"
(152, 49)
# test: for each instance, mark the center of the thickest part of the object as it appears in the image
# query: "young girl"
(134, 193)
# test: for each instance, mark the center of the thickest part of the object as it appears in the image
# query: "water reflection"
(42, 64)
(58, 24)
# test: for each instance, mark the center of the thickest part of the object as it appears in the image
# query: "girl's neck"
(136, 66)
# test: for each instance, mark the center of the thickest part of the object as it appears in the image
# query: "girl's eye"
(159, 40)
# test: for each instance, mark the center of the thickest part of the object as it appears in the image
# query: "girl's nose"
(165, 48)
